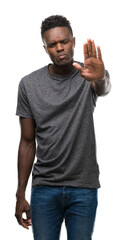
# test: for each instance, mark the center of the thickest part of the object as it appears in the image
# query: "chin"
(63, 64)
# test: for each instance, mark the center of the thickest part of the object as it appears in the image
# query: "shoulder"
(34, 76)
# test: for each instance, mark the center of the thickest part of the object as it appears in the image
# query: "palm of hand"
(93, 69)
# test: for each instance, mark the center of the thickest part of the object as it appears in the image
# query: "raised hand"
(93, 65)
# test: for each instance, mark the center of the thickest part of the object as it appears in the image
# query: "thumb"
(78, 67)
(28, 214)
(27, 211)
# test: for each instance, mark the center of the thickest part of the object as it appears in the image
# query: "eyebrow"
(55, 42)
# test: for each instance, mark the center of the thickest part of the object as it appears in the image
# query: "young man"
(55, 106)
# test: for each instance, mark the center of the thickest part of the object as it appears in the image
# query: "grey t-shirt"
(62, 108)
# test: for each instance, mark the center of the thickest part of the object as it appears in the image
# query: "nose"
(59, 47)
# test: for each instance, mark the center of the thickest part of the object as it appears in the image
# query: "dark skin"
(94, 69)
(59, 45)
(26, 154)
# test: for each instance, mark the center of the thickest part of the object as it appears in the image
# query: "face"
(59, 44)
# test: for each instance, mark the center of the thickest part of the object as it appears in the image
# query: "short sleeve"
(94, 97)
(23, 107)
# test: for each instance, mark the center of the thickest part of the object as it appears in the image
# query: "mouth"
(62, 56)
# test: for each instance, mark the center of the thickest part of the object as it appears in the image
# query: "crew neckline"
(61, 77)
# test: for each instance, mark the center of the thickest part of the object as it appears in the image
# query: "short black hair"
(55, 21)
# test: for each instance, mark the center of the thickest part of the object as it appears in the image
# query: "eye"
(65, 41)
(51, 45)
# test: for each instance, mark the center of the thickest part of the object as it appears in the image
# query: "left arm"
(94, 70)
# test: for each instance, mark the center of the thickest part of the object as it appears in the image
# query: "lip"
(61, 56)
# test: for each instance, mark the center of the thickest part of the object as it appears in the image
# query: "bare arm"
(103, 86)
(26, 155)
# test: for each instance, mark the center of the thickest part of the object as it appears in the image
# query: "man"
(55, 106)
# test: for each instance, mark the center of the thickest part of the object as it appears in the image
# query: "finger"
(28, 214)
(99, 53)
(20, 221)
(85, 51)
(24, 223)
(18, 217)
(93, 49)
(89, 48)
(27, 222)
(78, 67)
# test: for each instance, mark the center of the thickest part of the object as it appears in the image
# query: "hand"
(23, 206)
(93, 67)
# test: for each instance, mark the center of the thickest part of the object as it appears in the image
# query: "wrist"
(100, 81)
(20, 194)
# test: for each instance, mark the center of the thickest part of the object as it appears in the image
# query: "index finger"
(86, 51)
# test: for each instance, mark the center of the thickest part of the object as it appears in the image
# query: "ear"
(74, 41)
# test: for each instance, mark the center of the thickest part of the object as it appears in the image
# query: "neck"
(61, 70)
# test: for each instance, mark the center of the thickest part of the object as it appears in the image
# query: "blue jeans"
(51, 205)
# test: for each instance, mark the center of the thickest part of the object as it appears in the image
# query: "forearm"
(26, 155)
(102, 87)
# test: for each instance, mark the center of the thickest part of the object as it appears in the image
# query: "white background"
(21, 52)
